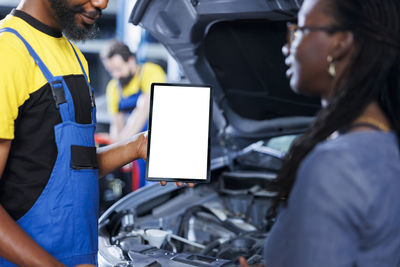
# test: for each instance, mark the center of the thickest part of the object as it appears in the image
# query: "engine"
(209, 225)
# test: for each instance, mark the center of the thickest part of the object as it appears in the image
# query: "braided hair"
(373, 74)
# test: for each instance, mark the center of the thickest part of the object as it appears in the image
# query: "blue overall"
(63, 220)
(128, 104)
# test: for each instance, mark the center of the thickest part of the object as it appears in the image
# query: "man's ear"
(132, 63)
(132, 59)
(342, 45)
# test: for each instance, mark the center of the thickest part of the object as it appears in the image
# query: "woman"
(340, 180)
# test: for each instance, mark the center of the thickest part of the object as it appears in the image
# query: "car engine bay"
(208, 225)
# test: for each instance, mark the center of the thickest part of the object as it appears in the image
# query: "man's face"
(120, 69)
(77, 18)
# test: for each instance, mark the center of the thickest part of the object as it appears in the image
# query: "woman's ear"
(342, 45)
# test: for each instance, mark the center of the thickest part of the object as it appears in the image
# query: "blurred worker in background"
(128, 96)
(128, 91)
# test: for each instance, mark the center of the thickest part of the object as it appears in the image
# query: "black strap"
(83, 157)
(58, 92)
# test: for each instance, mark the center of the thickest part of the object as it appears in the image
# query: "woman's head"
(363, 46)
(314, 43)
(332, 33)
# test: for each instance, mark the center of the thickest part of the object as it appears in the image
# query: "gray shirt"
(344, 209)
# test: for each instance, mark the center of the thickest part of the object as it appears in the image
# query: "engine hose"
(115, 224)
(182, 230)
(210, 247)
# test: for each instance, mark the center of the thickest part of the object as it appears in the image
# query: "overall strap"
(91, 93)
(47, 74)
(55, 84)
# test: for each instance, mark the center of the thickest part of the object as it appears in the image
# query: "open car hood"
(234, 46)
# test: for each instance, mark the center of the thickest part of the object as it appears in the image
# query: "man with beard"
(128, 91)
(128, 96)
(49, 166)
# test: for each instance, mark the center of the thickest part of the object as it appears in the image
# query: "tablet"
(178, 147)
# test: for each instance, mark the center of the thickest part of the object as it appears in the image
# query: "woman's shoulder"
(360, 147)
(356, 140)
(360, 159)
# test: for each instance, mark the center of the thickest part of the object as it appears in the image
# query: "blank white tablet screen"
(179, 132)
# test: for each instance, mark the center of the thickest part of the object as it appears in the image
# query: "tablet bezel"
(207, 180)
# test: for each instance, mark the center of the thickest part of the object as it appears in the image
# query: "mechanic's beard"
(66, 18)
(125, 80)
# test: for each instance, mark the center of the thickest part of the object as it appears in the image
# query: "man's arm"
(4, 150)
(137, 120)
(117, 155)
(15, 245)
(116, 125)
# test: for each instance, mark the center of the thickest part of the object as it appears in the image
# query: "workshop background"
(113, 24)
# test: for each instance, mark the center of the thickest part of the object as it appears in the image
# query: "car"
(234, 46)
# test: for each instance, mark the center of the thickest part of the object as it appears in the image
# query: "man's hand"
(244, 263)
(142, 146)
(179, 184)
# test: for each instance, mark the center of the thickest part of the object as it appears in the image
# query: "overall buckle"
(58, 92)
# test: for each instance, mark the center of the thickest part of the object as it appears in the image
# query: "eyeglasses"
(293, 30)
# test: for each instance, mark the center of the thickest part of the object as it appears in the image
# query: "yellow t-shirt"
(146, 74)
(19, 75)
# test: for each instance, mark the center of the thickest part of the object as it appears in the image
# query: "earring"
(332, 67)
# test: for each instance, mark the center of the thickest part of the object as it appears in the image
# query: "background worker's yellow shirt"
(146, 74)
